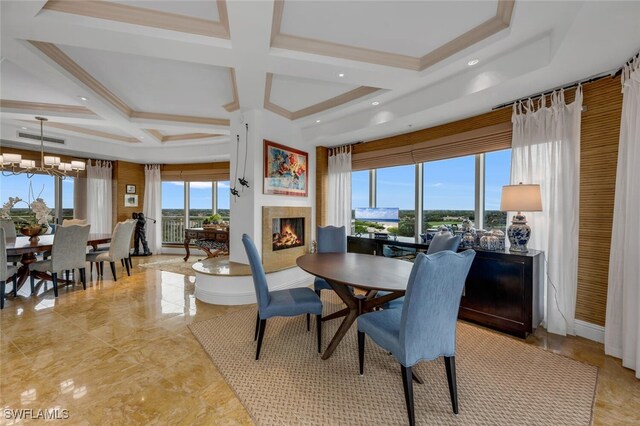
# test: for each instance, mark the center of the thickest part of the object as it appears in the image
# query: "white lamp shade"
(521, 198)
(65, 167)
(11, 158)
(51, 161)
(27, 164)
(77, 165)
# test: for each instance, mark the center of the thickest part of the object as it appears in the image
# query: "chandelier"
(14, 164)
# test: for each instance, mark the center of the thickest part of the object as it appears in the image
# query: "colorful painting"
(285, 170)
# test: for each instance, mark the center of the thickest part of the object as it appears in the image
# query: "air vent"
(37, 138)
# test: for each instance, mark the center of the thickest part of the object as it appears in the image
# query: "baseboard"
(589, 331)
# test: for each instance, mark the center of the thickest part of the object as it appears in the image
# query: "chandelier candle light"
(520, 198)
(13, 164)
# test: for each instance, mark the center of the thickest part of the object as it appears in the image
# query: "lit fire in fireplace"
(286, 235)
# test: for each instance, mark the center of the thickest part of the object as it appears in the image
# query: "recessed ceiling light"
(24, 128)
(141, 137)
(83, 98)
(473, 62)
(341, 74)
(317, 121)
(375, 103)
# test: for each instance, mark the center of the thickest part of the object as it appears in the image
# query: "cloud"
(223, 185)
(438, 184)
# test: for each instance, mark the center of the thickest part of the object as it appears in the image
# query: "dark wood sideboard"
(503, 290)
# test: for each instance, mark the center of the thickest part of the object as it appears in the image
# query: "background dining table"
(362, 271)
(28, 250)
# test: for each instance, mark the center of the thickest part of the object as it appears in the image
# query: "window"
(497, 172)
(173, 213)
(39, 186)
(359, 190)
(200, 202)
(68, 185)
(448, 192)
(223, 199)
(395, 187)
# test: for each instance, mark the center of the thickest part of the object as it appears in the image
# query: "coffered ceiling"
(161, 80)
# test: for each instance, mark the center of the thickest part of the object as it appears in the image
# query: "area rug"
(174, 264)
(501, 381)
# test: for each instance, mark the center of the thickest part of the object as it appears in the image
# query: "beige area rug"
(174, 264)
(501, 381)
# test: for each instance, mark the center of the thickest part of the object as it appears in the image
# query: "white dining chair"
(118, 250)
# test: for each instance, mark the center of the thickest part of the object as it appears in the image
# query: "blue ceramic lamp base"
(519, 233)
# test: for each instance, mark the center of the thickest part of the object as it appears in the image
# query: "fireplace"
(287, 233)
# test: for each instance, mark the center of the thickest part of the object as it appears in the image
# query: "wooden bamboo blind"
(477, 141)
(203, 172)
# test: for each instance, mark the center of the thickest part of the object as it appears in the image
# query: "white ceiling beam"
(250, 24)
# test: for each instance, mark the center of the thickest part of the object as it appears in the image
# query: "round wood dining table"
(362, 271)
(28, 249)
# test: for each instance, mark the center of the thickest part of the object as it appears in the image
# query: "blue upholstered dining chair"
(425, 327)
(331, 239)
(440, 242)
(280, 303)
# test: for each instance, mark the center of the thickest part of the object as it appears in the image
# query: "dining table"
(28, 249)
(370, 274)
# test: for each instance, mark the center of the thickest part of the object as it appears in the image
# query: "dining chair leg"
(126, 264)
(361, 351)
(32, 281)
(450, 366)
(83, 278)
(66, 274)
(113, 270)
(101, 268)
(122, 262)
(15, 285)
(308, 322)
(130, 262)
(407, 383)
(319, 332)
(255, 336)
(263, 325)
(54, 276)
(2, 287)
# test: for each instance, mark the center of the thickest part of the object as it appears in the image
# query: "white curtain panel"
(546, 151)
(99, 201)
(622, 327)
(153, 206)
(339, 203)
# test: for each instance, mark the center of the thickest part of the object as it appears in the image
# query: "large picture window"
(448, 190)
(395, 187)
(202, 199)
(497, 173)
(58, 198)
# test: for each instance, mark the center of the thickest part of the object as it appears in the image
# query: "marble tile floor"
(121, 353)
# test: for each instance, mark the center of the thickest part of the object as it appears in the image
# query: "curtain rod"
(612, 73)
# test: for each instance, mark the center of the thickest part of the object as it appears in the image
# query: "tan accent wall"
(600, 132)
(125, 173)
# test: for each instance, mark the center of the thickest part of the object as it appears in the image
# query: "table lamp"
(520, 198)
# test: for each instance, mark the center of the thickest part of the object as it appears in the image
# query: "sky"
(199, 196)
(448, 184)
(18, 186)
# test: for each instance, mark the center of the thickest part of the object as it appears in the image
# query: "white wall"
(246, 210)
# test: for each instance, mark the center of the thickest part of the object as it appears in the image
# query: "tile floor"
(121, 353)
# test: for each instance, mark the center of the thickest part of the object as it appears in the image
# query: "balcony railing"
(173, 228)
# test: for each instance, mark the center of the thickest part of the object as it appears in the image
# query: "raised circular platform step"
(222, 282)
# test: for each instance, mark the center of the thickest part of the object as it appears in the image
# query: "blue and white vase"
(519, 233)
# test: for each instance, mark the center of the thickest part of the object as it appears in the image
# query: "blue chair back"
(332, 239)
(444, 241)
(257, 271)
(432, 300)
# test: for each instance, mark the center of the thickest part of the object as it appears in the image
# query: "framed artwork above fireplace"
(286, 170)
